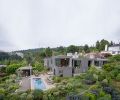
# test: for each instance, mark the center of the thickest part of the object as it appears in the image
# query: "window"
(65, 62)
(89, 63)
(96, 63)
(104, 62)
(62, 62)
(60, 71)
(77, 63)
(57, 62)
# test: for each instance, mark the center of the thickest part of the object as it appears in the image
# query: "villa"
(62, 65)
(67, 66)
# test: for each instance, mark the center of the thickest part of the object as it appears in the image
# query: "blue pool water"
(38, 84)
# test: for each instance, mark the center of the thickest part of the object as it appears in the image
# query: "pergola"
(24, 71)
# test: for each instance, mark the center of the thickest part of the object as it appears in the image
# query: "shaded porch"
(24, 71)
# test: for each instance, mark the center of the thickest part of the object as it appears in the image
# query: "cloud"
(42, 23)
(5, 41)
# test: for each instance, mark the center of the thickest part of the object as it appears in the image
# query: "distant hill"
(4, 55)
(8, 56)
(31, 50)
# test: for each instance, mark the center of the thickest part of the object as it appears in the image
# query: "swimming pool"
(38, 84)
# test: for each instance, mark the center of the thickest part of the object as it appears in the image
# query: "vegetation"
(95, 84)
(11, 69)
(48, 52)
(100, 45)
(72, 49)
(7, 58)
(113, 68)
(86, 49)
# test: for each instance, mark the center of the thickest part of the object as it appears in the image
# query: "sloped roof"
(25, 68)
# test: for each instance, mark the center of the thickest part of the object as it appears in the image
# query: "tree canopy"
(48, 52)
(72, 49)
(100, 45)
(86, 49)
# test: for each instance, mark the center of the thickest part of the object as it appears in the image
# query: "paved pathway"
(25, 84)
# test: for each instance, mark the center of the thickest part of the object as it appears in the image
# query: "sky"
(26, 24)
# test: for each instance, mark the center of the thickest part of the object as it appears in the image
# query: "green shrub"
(23, 96)
(105, 81)
(93, 87)
(38, 94)
(12, 87)
(102, 93)
(91, 96)
(69, 86)
(115, 58)
(106, 97)
(93, 70)
(57, 79)
(95, 76)
(9, 81)
(101, 76)
(14, 96)
(29, 97)
(3, 69)
(2, 91)
(39, 66)
(78, 85)
(11, 69)
(4, 78)
(13, 76)
(90, 77)
(108, 67)
(79, 76)
(118, 77)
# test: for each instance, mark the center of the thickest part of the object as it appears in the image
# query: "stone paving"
(25, 84)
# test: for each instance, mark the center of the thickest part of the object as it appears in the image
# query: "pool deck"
(25, 84)
(44, 78)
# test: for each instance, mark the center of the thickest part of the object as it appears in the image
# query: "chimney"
(106, 47)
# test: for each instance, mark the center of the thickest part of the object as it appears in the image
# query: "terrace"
(42, 82)
(62, 62)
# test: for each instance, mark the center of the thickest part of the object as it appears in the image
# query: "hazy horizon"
(27, 24)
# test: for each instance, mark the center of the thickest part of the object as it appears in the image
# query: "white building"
(73, 55)
(113, 49)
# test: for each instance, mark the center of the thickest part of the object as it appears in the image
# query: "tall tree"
(102, 44)
(98, 45)
(48, 52)
(28, 57)
(86, 49)
(61, 49)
